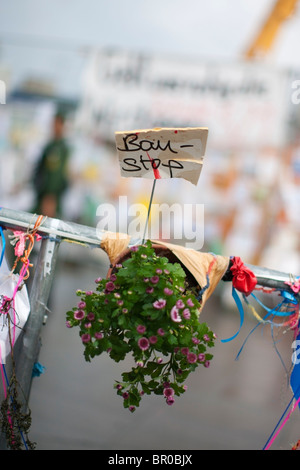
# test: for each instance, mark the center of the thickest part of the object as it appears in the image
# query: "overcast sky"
(43, 37)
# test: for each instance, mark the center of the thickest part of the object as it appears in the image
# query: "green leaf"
(151, 366)
(172, 340)
(122, 320)
(145, 388)
(153, 384)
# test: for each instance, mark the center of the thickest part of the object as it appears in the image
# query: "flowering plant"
(145, 308)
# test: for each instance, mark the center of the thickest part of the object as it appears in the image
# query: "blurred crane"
(281, 11)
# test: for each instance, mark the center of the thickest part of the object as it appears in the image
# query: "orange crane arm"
(281, 11)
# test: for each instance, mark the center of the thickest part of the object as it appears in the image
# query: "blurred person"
(50, 179)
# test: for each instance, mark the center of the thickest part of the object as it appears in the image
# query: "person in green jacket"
(51, 177)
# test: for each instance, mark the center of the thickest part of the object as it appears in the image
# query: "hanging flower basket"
(146, 308)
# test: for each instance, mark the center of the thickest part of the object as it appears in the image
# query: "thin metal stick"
(149, 208)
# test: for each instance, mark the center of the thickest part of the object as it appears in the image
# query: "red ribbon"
(244, 280)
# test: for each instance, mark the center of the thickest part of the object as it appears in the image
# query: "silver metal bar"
(91, 236)
(271, 278)
(29, 340)
(27, 347)
(18, 220)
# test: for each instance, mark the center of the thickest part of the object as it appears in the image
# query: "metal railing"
(53, 232)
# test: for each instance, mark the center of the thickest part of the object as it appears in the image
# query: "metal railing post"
(29, 343)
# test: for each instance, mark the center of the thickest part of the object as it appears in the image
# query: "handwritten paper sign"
(162, 152)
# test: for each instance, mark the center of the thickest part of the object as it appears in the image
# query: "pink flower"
(110, 286)
(159, 304)
(99, 279)
(90, 316)
(81, 304)
(134, 248)
(120, 302)
(168, 392)
(206, 338)
(146, 279)
(141, 329)
(124, 310)
(160, 331)
(79, 314)
(125, 395)
(190, 303)
(68, 324)
(196, 340)
(206, 364)
(186, 313)
(86, 338)
(131, 408)
(159, 360)
(88, 325)
(98, 335)
(175, 315)
(166, 271)
(153, 339)
(191, 357)
(154, 279)
(201, 357)
(119, 387)
(184, 351)
(143, 344)
(168, 291)
(149, 290)
(179, 304)
(89, 292)
(170, 401)
(158, 271)
(113, 277)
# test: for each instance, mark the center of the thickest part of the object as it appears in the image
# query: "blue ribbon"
(295, 376)
(277, 425)
(275, 310)
(288, 298)
(3, 245)
(241, 311)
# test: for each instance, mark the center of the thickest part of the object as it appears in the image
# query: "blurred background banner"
(244, 105)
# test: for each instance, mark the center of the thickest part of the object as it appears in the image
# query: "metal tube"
(29, 340)
(271, 278)
(80, 233)
(18, 220)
